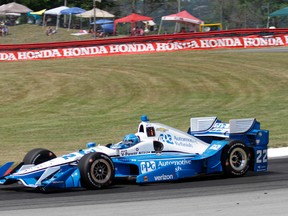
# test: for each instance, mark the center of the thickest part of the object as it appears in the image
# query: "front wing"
(65, 176)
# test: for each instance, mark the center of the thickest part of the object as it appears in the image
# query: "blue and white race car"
(155, 153)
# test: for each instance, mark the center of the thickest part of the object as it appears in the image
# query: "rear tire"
(235, 159)
(96, 170)
(38, 156)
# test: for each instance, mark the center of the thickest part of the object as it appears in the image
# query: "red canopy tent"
(181, 17)
(132, 18)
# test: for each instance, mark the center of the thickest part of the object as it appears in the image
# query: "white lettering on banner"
(126, 48)
(177, 45)
(7, 57)
(39, 54)
(258, 42)
(286, 39)
(84, 51)
(204, 43)
(221, 42)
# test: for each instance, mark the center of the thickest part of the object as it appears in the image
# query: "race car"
(155, 153)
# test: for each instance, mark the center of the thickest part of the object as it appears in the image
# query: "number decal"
(262, 156)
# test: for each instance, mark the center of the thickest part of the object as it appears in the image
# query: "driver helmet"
(130, 139)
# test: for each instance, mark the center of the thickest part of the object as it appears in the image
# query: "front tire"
(38, 156)
(96, 170)
(235, 159)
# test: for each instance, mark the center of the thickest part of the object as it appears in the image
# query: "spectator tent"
(132, 18)
(14, 8)
(54, 12)
(106, 25)
(70, 11)
(181, 17)
(281, 12)
(98, 13)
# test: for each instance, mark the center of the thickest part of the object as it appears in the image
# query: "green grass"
(63, 104)
(27, 33)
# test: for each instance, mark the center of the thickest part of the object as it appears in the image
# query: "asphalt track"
(255, 193)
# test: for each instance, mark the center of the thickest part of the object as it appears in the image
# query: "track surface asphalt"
(255, 193)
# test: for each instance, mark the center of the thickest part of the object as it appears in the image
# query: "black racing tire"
(38, 156)
(235, 159)
(96, 170)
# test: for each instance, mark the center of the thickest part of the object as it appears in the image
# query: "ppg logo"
(147, 166)
(166, 138)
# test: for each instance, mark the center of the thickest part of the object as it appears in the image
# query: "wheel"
(96, 170)
(37, 156)
(235, 159)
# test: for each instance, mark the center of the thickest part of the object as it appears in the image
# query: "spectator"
(49, 19)
(183, 30)
(3, 29)
(50, 31)
(140, 31)
(192, 28)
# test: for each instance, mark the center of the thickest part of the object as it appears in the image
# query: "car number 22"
(262, 156)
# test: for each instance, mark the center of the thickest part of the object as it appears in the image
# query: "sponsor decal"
(80, 153)
(215, 147)
(166, 138)
(163, 177)
(162, 129)
(184, 141)
(176, 163)
(126, 153)
(220, 127)
(147, 166)
(177, 140)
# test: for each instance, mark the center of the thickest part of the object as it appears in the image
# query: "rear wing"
(204, 127)
(208, 126)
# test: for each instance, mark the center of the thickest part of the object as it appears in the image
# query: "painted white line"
(277, 152)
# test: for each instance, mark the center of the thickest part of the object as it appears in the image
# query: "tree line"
(231, 13)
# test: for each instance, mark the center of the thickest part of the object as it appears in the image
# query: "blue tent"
(73, 10)
(102, 21)
(107, 25)
(281, 12)
(70, 11)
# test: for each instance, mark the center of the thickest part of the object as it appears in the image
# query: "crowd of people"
(137, 31)
(98, 31)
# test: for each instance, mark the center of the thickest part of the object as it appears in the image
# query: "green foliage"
(231, 13)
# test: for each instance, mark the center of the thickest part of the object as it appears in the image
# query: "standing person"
(140, 31)
(192, 28)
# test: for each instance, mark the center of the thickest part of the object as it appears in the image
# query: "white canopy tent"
(98, 13)
(54, 12)
(181, 17)
(14, 8)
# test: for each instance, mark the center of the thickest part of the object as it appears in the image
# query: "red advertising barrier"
(147, 44)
